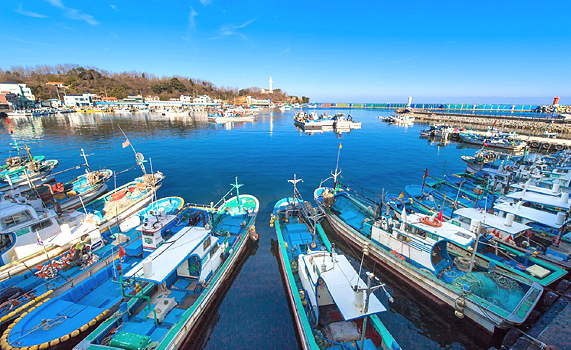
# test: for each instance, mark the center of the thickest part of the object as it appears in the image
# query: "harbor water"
(200, 160)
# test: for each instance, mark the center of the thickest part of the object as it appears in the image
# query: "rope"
(45, 324)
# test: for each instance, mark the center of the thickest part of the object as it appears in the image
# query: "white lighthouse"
(271, 82)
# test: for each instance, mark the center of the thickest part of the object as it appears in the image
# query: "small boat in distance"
(227, 115)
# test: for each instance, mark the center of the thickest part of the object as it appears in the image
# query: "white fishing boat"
(27, 227)
(228, 115)
(424, 251)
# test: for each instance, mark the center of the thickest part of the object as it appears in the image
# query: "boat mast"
(294, 182)
(368, 292)
(85, 157)
(477, 226)
(236, 185)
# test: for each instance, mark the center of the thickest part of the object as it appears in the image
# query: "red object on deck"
(58, 188)
(118, 195)
(556, 100)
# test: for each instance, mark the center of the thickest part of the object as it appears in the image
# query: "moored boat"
(427, 259)
(329, 311)
(124, 201)
(181, 278)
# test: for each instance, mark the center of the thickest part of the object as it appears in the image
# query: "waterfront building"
(24, 93)
(256, 102)
(133, 98)
(9, 100)
(84, 100)
(204, 100)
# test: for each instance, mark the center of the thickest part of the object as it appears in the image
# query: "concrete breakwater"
(528, 126)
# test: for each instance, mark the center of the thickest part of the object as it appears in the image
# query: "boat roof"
(534, 197)
(532, 214)
(170, 254)
(336, 277)
(448, 231)
(491, 220)
(543, 190)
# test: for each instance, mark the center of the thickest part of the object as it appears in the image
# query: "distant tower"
(409, 101)
(271, 82)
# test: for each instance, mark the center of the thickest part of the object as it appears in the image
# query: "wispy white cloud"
(192, 18)
(113, 7)
(232, 29)
(21, 11)
(72, 13)
(206, 2)
(191, 24)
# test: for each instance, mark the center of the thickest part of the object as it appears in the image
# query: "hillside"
(81, 80)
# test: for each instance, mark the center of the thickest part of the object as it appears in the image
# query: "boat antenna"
(236, 185)
(154, 204)
(85, 157)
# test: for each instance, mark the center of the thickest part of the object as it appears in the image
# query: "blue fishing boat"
(24, 178)
(71, 195)
(60, 322)
(124, 201)
(332, 307)
(24, 290)
(429, 254)
(181, 278)
(18, 163)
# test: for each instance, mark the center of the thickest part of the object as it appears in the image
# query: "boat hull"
(422, 280)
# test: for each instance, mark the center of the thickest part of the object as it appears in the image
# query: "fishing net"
(117, 207)
(498, 289)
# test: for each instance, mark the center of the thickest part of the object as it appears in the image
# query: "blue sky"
(377, 51)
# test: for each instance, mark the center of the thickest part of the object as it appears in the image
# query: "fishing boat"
(181, 278)
(26, 177)
(124, 201)
(313, 121)
(332, 307)
(428, 258)
(18, 163)
(71, 195)
(62, 271)
(24, 224)
(517, 239)
(60, 322)
(229, 116)
(342, 122)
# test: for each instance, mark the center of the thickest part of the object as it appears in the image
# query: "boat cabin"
(497, 226)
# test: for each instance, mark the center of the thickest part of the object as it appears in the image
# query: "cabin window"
(42, 225)
(206, 244)
(213, 250)
(464, 220)
(16, 219)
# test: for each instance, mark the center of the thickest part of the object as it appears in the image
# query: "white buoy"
(162, 212)
(564, 197)
(559, 219)
(358, 299)
(556, 187)
(518, 205)
(147, 268)
(509, 219)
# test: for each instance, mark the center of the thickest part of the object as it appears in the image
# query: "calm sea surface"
(201, 159)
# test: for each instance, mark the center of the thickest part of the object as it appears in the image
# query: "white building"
(78, 100)
(24, 93)
(255, 102)
(204, 100)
